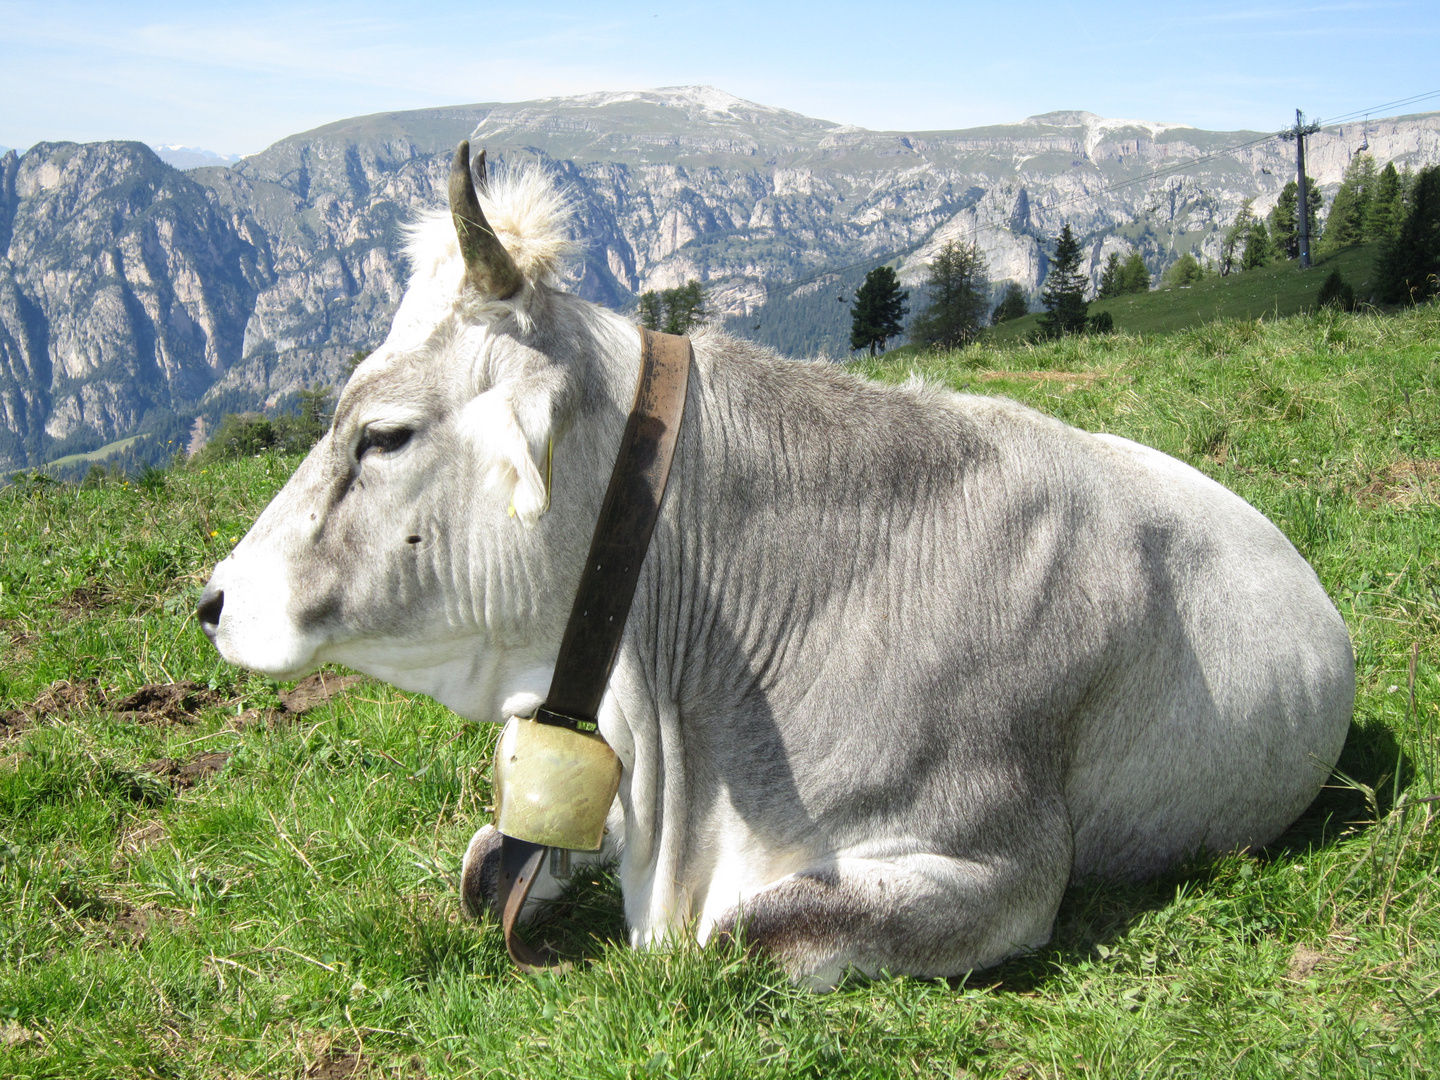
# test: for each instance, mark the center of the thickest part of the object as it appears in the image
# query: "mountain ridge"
(137, 297)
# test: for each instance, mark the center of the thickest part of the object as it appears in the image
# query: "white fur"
(490, 423)
(256, 580)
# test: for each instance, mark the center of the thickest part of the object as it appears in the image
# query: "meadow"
(204, 873)
(1270, 292)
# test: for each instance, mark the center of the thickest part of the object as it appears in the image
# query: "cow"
(902, 664)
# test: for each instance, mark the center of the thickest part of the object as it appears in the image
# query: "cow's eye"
(386, 440)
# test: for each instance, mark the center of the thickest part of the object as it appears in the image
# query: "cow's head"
(425, 539)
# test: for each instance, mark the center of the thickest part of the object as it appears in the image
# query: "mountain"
(135, 297)
(192, 157)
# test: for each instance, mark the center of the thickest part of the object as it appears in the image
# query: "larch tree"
(958, 294)
(1257, 250)
(1112, 278)
(1134, 275)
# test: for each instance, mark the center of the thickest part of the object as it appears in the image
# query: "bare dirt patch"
(337, 1066)
(310, 692)
(13, 1034)
(56, 700)
(1303, 963)
(128, 926)
(82, 600)
(1406, 482)
(166, 703)
(186, 774)
(317, 689)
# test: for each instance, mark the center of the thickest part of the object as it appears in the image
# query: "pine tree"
(1336, 293)
(1351, 206)
(684, 308)
(1409, 265)
(1064, 293)
(674, 311)
(879, 310)
(1013, 304)
(650, 311)
(1387, 208)
(958, 293)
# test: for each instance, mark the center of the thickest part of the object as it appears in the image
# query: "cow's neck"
(757, 555)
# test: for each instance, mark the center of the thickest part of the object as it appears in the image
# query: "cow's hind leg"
(913, 914)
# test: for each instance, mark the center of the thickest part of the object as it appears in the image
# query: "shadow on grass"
(1096, 913)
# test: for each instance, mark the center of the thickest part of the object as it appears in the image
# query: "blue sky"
(234, 77)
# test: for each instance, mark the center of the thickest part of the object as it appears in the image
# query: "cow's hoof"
(480, 874)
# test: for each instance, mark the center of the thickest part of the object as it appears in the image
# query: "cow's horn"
(488, 266)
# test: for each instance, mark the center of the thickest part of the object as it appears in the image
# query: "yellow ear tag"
(549, 459)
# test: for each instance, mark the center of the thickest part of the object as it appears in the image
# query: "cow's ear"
(512, 460)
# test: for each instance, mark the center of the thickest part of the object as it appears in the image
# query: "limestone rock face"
(134, 297)
(124, 294)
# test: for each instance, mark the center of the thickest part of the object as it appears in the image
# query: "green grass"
(298, 907)
(106, 451)
(1270, 292)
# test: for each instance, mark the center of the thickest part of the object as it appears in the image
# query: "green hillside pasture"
(1269, 292)
(221, 886)
(106, 451)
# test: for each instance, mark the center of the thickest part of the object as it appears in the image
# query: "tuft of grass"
(292, 910)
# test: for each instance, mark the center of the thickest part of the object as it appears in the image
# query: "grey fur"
(902, 664)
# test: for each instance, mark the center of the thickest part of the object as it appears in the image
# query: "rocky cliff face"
(124, 294)
(134, 297)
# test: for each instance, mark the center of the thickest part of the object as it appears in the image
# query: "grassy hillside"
(229, 878)
(1268, 292)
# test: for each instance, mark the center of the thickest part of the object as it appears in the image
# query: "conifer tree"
(1257, 246)
(878, 311)
(684, 307)
(1112, 278)
(1387, 207)
(1185, 270)
(1409, 265)
(958, 293)
(674, 311)
(1064, 292)
(1135, 275)
(1284, 218)
(1351, 206)
(1013, 304)
(1235, 237)
(650, 310)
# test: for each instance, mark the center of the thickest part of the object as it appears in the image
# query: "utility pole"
(1298, 133)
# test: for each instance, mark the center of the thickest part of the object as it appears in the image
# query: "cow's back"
(1229, 683)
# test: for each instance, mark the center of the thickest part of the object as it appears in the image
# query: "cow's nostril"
(211, 604)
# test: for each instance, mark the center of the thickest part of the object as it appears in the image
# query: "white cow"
(901, 665)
